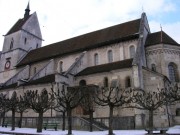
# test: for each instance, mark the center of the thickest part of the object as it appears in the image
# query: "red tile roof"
(117, 33)
(106, 67)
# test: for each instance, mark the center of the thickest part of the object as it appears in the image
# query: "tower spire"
(161, 33)
(27, 10)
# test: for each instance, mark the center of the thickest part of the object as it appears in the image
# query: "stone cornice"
(162, 50)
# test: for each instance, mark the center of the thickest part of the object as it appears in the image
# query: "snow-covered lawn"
(172, 130)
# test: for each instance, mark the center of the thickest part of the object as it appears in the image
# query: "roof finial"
(161, 32)
(27, 10)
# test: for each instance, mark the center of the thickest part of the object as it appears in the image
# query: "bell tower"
(23, 36)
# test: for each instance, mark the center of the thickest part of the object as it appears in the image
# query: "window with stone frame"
(114, 83)
(127, 82)
(132, 51)
(110, 56)
(35, 70)
(11, 44)
(106, 82)
(173, 73)
(153, 67)
(60, 66)
(96, 59)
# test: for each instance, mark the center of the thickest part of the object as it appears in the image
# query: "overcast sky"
(63, 19)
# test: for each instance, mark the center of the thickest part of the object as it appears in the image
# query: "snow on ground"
(172, 130)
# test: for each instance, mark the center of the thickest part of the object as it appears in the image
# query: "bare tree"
(21, 108)
(68, 98)
(87, 103)
(12, 104)
(40, 103)
(112, 97)
(149, 101)
(3, 107)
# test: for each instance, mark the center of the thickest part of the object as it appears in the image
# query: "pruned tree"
(68, 98)
(87, 103)
(149, 101)
(12, 104)
(21, 108)
(112, 97)
(40, 103)
(3, 107)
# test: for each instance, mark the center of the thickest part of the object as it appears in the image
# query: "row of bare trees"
(66, 99)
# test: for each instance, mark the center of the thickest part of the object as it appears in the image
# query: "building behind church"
(126, 55)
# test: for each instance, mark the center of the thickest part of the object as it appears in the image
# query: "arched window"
(132, 51)
(37, 45)
(11, 44)
(153, 67)
(60, 67)
(178, 112)
(96, 59)
(106, 82)
(110, 56)
(173, 74)
(82, 83)
(35, 70)
(128, 82)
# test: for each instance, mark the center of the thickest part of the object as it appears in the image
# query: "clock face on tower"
(7, 64)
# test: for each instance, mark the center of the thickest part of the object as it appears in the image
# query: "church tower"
(24, 36)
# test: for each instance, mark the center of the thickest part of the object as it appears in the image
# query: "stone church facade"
(124, 55)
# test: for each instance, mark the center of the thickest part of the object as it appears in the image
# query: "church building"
(126, 55)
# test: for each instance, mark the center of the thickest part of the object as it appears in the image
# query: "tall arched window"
(128, 82)
(132, 51)
(106, 82)
(153, 67)
(96, 59)
(110, 56)
(11, 44)
(60, 67)
(173, 74)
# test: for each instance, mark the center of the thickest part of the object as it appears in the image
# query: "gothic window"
(128, 82)
(153, 67)
(106, 82)
(60, 67)
(173, 74)
(96, 59)
(132, 51)
(82, 83)
(110, 56)
(11, 44)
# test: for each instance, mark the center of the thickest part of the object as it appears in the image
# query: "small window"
(114, 83)
(60, 67)
(96, 59)
(110, 56)
(11, 44)
(82, 83)
(132, 51)
(173, 73)
(37, 45)
(153, 67)
(106, 82)
(128, 82)
(25, 40)
(35, 70)
(178, 112)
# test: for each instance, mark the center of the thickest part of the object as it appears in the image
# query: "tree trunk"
(69, 113)
(20, 120)
(91, 121)
(110, 120)
(40, 122)
(13, 119)
(151, 120)
(64, 121)
(3, 120)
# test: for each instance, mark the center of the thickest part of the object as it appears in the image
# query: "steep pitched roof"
(18, 25)
(158, 37)
(106, 67)
(124, 31)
